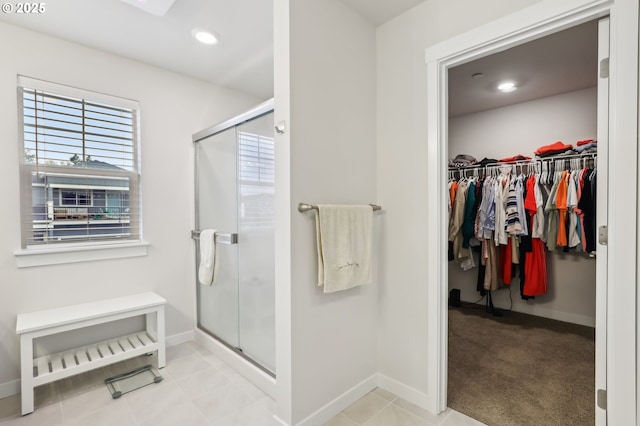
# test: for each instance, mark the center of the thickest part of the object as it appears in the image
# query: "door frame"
(538, 20)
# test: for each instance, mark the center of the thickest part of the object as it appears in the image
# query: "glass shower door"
(235, 192)
(217, 201)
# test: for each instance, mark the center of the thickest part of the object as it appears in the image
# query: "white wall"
(172, 109)
(402, 156)
(330, 54)
(521, 129)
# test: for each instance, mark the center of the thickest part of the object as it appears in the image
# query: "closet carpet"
(520, 370)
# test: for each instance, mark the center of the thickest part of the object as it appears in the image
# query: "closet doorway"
(463, 124)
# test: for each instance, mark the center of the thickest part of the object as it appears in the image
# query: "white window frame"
(76, 251)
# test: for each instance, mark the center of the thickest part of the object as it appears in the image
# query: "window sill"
(27, 258)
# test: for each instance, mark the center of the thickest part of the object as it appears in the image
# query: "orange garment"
(452, 193)
(554, 147)
(584, 142)
(561, 205)
(517, 157)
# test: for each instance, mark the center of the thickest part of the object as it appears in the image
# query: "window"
(256, 159)
(79, 175)
(76, 198)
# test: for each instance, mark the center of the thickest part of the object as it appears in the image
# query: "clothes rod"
(537, 159)
(304, 207)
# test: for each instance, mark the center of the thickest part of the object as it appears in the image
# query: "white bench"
(51, 367)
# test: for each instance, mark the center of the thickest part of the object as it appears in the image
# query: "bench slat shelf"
(65, 364)
(52, 367)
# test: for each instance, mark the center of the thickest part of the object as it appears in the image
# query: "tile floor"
(381, 408)
(198, 389)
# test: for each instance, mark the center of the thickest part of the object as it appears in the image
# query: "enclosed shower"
(234, 195)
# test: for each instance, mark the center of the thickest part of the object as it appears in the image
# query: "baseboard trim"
(180, 338)
(403, 391)
(9, 388)
(330, 410)
(277, 419)
(559, 316)
(539, 311)
(13, 387)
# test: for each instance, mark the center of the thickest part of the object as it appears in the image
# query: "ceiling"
(380, 11)
(559, 63)
(243, 59)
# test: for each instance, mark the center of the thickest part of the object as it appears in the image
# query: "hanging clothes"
(469, 218)
(552, 213)
(520, 189)
(536, 269)
(461, 224)
(561, 206)
(533, 268)
(587, 206)
(501, 187)
(506, 261)
(516, 220)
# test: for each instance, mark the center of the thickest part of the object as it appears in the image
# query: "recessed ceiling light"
(507, 86)
(204, 36)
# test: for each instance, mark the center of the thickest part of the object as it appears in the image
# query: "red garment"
(584, 142)
(530, 198)
(517, 157)
(554, 147)
(535, 267)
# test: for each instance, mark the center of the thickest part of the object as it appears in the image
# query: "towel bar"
(304, 207)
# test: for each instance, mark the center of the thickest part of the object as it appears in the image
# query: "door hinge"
(603, 235)
(604, 68)
(601, 397)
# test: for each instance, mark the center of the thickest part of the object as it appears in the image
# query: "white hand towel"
(208, 259)
(344, 236)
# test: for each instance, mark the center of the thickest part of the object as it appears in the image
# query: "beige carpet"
(520, 370)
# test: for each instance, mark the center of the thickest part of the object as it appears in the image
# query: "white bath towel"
(344, 238)
(208, 259)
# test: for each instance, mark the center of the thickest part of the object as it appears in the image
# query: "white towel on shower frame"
(208, 259)
(344, 236)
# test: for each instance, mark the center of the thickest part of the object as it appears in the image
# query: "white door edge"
(601, 215)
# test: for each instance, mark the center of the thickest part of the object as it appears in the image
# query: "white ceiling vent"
(154, 7)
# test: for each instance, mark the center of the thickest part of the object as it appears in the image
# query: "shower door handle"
(221, 238)
(226, 238)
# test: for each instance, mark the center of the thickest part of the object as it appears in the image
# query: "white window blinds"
(256, 158)
(79, 174)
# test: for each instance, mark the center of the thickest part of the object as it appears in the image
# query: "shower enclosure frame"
(251, 369)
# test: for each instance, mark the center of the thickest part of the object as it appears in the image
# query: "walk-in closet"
(522, 191)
